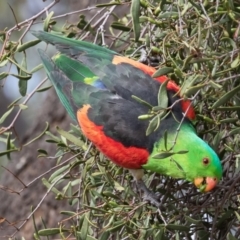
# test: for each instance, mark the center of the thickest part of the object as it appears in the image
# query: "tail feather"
(59, 81)
(73, 47)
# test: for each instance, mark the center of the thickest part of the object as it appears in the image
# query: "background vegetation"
(56, 182)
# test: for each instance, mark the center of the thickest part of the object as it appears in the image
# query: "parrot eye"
(206, 161)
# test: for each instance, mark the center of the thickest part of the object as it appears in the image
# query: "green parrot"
(96, 86)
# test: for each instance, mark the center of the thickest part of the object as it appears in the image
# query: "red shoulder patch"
(150, 71)
(127, 157)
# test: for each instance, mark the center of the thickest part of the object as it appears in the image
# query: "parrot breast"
(127, 157)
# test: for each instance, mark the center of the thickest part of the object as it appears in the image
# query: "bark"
(26, 166)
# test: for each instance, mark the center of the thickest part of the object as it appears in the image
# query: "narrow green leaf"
(163, 71)
(35, 225)
(85, 224)
(142, 101)
(87, 238)
(57, 173)
(189, 82)
(5, 115)
(120, 26)
(235, 62)
(72, 138)
(234, 131)
(229, 120)
(49, 231)
(226, 97)
(3, 75)
(192, 220)
(47, 21)
(115, 228)
(192, 90)
(68, 213)
(38, 67)
(145, 116)
(135, 13)
(107, 4)
(177, 227)
(48, 185)
(44, 89)
(168, 15)
(14, 102)
(3, 63)
(42, 151)
(153, 125)
(20, 67)
(110, 194)
(8, 151)
(21, 77)
(8, 145)
(23, 107)
(40, 135)
(162, 95)
(27, 45)
(163, 155)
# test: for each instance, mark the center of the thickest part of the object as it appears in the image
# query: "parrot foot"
(148, 195)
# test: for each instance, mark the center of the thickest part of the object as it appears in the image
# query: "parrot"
(97, 86)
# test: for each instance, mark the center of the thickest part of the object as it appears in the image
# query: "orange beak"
(205, 184)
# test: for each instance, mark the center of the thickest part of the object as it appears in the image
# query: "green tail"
(58, 85)
(72, 46)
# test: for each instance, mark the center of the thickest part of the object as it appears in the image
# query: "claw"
(148, 195)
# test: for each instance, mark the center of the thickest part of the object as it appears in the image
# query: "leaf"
(3, 75)
(84, 228)
(168, 15)
(5, 115)
(188, 83)
(44, 89)
(234, 131)
(120, 26)
(145, 116)
(135, 13)
(48, 185)
(226, 97)
(153, 125)
(72, 138)
(163, 71)
(23, 107)
(47, 21)
(14, 102)
(192, 90)
(163, 96)
(163, 155)
(8, 151)
(3, 63)
(20, 67)
(108, 4)
(57, 173)
(142, 101)
(40, 135)
(35, 69)
(27, 45)
(49, 231)
(177, 227)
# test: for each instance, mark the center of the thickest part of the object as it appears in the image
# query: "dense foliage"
(197, 45)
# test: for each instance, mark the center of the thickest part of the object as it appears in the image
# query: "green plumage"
(83, 73)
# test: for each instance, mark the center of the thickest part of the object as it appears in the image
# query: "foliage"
(197, 45)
